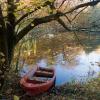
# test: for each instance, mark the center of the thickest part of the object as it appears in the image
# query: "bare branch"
(68, 19)
(62, 3)
(91, 3)
(63, 24)
(78, 14)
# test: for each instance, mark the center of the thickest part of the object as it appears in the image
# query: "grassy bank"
(71, 91)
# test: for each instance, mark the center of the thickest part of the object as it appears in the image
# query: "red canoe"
(41, 80)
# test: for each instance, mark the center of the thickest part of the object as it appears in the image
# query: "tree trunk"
(6, 54)
(3, 55)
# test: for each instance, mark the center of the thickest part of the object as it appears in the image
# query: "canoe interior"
(41, 76)
(38, 81)
(44, 74)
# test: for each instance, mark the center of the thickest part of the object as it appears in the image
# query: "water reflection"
(42, 63)
(85, 69)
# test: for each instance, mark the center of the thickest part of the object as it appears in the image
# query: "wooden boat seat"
(38, 80)
(45, 69)
(35, 81)
(44, 74)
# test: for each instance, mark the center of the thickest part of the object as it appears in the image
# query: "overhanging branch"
(36, 21)
(49, 18)
(91, 3)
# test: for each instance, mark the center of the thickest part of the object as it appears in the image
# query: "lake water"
(84, 67)
(87, 67)
(86, 63)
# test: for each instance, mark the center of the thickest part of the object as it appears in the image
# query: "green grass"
(70, 91)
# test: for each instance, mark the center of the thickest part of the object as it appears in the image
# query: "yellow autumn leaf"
(16, 97)
(32, 24)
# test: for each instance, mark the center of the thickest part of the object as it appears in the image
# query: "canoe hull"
(33, 87)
